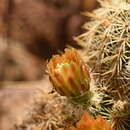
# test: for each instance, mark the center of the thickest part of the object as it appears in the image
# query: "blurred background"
(31, 31)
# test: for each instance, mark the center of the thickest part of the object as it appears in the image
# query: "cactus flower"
(88, 123)
(69, 74)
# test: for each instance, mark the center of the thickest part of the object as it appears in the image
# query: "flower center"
(60, 66)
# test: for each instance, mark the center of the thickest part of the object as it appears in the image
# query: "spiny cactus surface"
(107, 51)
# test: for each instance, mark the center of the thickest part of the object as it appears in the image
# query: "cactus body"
(107, 51)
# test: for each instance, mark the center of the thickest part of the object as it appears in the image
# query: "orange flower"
(89, 123)
(69, 74)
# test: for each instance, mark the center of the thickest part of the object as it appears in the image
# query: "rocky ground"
(16, 98)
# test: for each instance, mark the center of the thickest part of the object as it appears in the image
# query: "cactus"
(107, 52)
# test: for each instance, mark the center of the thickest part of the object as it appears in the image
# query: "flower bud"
(69, 74)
